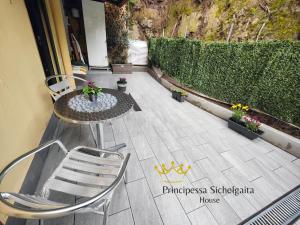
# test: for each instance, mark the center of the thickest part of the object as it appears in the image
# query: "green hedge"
(264, 75)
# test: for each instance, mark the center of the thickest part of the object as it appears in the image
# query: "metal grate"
(284, 211)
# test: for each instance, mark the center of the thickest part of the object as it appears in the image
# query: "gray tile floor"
(166, 131)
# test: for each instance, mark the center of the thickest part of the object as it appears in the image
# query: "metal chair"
(62, 85)
(79, 174)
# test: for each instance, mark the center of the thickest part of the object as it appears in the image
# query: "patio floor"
(166, 131)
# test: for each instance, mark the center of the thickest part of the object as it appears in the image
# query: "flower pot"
(181, 98)
(121, 86)
(93, 98)
(122, 68)
(177, 96)
(241, 128)
(174, 94)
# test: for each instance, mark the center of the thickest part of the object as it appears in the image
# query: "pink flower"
(90, 83)
(252, 120)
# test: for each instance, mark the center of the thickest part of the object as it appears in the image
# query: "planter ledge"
(280, 139)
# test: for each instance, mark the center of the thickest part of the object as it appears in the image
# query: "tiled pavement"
(166, 131)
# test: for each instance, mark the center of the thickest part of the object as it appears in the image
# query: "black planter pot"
(121, 86)
(242, 129)
(177, 96)
(93, 98)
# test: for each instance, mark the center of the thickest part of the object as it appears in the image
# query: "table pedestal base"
(99, 139)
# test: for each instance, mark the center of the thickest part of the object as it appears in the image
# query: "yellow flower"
(245, 107)
(233, 107)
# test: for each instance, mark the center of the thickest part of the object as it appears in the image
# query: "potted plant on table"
(122, 84)
(91, 91)
(244, 124)
(179, 95)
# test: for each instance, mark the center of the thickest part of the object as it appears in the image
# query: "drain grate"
(283, 211)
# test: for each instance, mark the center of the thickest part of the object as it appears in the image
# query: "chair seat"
(83, 174)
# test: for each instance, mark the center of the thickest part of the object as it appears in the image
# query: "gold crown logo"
(178, 169)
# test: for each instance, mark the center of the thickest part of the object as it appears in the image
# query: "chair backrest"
(62, 85)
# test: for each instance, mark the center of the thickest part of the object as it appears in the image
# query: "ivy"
(264, 75)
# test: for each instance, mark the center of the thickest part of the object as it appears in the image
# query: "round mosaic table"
(123, 105)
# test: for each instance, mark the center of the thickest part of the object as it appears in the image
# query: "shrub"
(116, 33)
(264, 75)
(279, 86)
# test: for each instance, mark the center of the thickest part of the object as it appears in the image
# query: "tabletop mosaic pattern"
(64, 111)
(81, 103)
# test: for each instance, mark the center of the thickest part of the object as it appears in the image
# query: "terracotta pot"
(122, 68)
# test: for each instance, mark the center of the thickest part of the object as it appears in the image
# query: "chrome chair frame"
(44, 209)
(63, 87)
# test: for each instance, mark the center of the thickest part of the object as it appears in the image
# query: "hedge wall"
(264, 75)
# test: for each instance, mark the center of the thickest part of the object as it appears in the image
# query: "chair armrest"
(102, 151)
(28, 154)
(116, 147)
(14, 210)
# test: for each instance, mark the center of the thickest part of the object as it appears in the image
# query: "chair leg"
(126, 177)
(93, 134)
(105, 216)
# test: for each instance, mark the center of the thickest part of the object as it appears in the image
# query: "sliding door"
(95, 32)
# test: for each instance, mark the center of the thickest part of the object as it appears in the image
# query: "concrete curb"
(278, 138)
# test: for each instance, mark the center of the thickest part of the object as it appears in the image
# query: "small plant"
(244, 124)
(252, 123)
(181, 92)
(239, 111)
(179, 95)
(91, 89)
(117, 33)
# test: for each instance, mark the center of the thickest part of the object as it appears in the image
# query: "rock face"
(147, 19)
(147, 23)
(237, 20)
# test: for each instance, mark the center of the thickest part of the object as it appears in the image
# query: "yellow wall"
(55, 15)
(25, 105)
